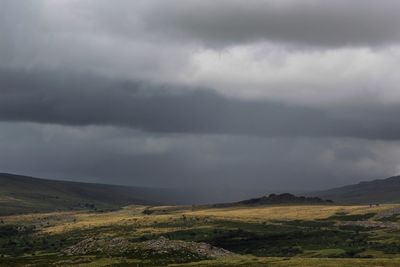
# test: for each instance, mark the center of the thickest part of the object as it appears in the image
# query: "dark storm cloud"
(73, 99)
(227, 22)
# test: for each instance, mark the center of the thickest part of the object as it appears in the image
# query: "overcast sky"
(257, 94)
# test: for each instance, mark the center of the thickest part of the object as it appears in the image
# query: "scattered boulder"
(372, 224)
(73, 261)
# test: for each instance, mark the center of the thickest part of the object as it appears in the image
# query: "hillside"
(21, 194)
(373, 192)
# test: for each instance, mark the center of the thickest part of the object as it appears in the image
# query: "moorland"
(325, 234)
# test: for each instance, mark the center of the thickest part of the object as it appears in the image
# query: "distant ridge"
(22, 194)
(373, 192)
(284, 198)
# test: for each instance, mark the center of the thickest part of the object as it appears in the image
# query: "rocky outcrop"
(164, 245)
(157, 247)
(94, 245)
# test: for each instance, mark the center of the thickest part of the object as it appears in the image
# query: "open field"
(270, 235)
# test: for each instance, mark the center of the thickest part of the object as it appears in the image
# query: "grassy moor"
(262, 235)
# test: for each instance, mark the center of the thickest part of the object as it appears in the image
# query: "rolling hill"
(24, 194)
(373, 192)
(21, 194)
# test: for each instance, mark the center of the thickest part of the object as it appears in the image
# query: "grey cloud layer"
(227, 22)
(73, 99)
(222, 22)
(311, 52)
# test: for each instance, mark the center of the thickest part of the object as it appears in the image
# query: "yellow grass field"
(66, 221)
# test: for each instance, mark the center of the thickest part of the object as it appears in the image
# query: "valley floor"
(270, 235)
